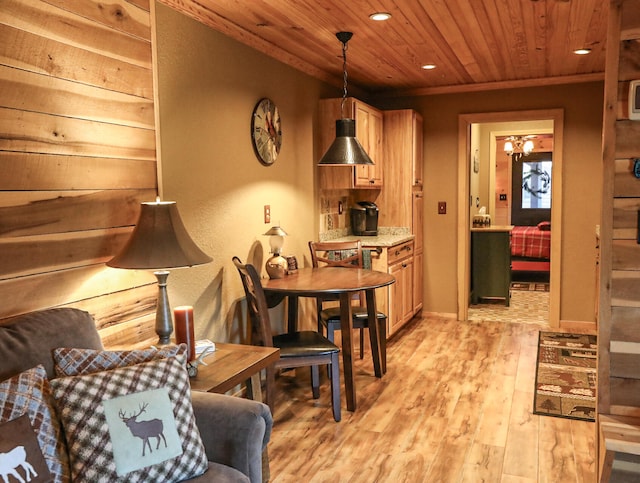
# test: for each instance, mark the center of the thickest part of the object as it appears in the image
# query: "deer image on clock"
(266, 131)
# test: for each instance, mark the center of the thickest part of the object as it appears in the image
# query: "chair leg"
(383, 344)
(315, 381)
(361, 344)
(335, 387)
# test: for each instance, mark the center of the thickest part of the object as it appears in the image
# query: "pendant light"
(345, 149)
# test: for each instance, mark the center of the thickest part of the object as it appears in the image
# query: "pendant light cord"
(344, 37)
(344, 78)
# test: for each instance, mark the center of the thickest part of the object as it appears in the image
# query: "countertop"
(494, 228)
(386, 240)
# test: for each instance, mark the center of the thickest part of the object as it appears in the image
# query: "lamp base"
(164, 322)
(276, 266)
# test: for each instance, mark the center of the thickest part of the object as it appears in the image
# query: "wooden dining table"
(343, 282)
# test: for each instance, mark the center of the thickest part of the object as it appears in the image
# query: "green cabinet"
(490, 263)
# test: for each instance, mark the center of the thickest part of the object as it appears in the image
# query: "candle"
(185, 329)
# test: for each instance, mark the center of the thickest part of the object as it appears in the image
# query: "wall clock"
(266, 131)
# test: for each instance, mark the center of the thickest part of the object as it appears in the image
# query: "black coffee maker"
(364, 219)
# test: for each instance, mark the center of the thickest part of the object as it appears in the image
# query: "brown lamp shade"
(346, 150)
(159, 241)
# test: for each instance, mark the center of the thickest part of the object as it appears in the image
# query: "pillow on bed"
(544, 226)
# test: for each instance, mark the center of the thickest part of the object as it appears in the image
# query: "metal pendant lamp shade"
(160, 242)
(345, 150)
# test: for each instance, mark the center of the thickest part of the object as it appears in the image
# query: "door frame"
(464, 224)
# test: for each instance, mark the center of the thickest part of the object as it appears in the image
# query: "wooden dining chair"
(347, 254)
(297, 349)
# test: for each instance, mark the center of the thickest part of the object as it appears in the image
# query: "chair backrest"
(336, 254)
(256, 304)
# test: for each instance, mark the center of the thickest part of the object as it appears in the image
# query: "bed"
(531, 248)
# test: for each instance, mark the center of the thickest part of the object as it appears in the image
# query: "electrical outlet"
(503, 196)
(442, 207)
(267, 213)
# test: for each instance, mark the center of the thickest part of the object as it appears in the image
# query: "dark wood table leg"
(292, 314)
(374, 334)
(346, 326)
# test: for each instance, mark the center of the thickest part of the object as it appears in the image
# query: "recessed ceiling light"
(380, 16)
(582, 51)
(429, 66)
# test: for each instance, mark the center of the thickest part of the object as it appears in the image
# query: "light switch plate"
(442, 207)
(267, 213)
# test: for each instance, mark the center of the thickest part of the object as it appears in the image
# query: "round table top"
(328, 280)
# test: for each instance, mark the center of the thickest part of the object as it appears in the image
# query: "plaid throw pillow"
(132, 424)
(74, 362)
(29, 393)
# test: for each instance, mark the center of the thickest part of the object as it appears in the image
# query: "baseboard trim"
(579, 325)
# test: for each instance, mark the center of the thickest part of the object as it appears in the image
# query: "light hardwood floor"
(454, 406)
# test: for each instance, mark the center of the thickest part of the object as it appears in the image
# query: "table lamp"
(276, 265)
(160, 242)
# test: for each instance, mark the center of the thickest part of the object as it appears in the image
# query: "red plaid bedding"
(529, 241)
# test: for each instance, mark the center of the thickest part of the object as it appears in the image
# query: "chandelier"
(522, 144)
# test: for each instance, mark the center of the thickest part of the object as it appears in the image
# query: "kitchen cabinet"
(397, 299)
(401, 201)
(369, 132)
(417, 126)
(418, 230)
(490, 263)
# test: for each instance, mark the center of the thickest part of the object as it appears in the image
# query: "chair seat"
(303, 343)
(332, 314)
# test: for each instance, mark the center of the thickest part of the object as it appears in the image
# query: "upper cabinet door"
(369, 134)
(417, 160)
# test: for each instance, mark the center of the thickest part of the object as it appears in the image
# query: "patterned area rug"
(530, 286)
(566, 376)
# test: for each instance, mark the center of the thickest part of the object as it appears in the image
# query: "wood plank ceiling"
(475, 44)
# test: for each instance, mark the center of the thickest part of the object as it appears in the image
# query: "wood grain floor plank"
(455, 406)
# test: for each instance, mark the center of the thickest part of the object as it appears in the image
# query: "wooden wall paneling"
(45, 133)
(625, 324)
(25, 255)
(629, 68)
(34, 171)
(118, 15)
(625, 287)
(78, 157)
(57, 24)
(625, 396)
(627, 135)
(53, 57)
(110, 309)
(625, 218)
(42, 93)
(626, 255)
(64, 287)
(625, 183)
(623, 363)
(134, 333)
(43, 212)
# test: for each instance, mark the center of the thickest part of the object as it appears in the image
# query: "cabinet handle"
(371, 181)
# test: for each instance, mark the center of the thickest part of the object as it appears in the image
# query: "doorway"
(465, 149)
